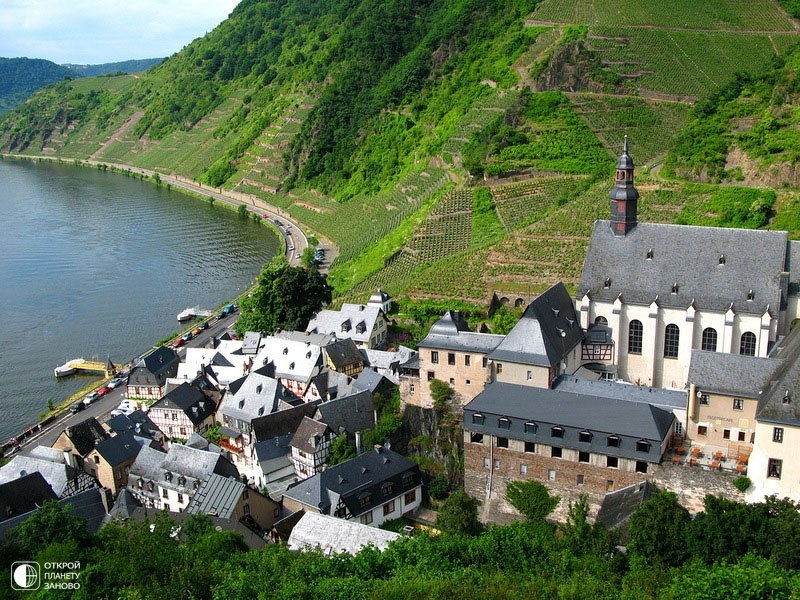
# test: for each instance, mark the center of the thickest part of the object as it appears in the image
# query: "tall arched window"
(635, 333)
(747, 345)
(709, 341)
(671, 338)
(601, 321)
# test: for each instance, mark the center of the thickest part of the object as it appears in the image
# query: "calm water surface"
(98, 265)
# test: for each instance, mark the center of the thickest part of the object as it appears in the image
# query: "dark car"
(77, 407)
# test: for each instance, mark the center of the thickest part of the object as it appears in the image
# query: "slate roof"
(574, 413)
(283, 422)
(119, 449)
(358, 482)
(663, 398)
(712, 372)
(780, 402)
(137, 422)
(251, 343)
(333, 536)
(725, 264)
(355, 321)
(24, 494)
(618, 506)
(192, 463)
(154, 368)
(548, 330)
(298, 360)
(308, 435)
(343, 353)
(124, 506)
(451, 332)
(49, 463)
(256, 396)
(88, 505)
(196, 405)
(84, 436)
(216, 496)
(350, 413)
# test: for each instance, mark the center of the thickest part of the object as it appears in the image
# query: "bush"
(439, 487)
(742, 483)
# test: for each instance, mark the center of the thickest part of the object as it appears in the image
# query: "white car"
(126, 407)
(91, 398)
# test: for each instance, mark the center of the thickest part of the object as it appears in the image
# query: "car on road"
(91, 398)
(178, 342)
(126, 407)
(187, 336)
(77, 407)
(116, 382)
(103, 391)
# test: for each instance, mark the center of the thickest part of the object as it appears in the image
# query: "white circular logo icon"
(25, 576)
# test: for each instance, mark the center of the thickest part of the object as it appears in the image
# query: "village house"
(185, 410)
(111, 459)
(376, 486)
(230, 498)
(342, 356)
(59, 468)
(294, 362)
(329, 535)
(167, 481)
(148, 377)
(311, 445)
(366, 324)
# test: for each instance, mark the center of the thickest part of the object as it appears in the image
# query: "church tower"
(624, 195)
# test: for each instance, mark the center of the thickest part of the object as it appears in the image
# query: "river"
(97, 265)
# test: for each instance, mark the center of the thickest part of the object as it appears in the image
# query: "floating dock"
(81, 364)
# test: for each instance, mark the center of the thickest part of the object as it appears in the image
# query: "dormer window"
(607, 283)
(291, 366)
(530, 427)
(643, 446)
(478, 419)
(649, 255)
(751, 295)
(614, 441)
(286, 350)
(346, 325)
(504, 423)
(168, 476)
(787, 397)
(181, 480)
(150, 486)
(308, 354)
(557, 432)
(585, 436)
(555, 312)
(675, 287)
(722, 259)
(259, 387)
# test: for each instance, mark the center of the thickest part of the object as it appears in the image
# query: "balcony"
(231, 446)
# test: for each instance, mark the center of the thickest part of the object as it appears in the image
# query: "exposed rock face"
(774, 176)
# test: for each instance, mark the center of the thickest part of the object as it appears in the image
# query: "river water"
(97, 265)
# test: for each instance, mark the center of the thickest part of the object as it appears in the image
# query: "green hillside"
(455, 149)
(20, 77)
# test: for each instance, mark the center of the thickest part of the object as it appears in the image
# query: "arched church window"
(635, 335)
(672, 336)
(601, 321)
(747, 345)
(709, 341)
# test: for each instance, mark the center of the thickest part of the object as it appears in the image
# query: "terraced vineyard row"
(649, 124)
(752, 15)
(479, 116)
(522, 203)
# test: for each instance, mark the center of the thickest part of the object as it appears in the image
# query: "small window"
(643, 446)
(738, 404)
(180, 498)
(641, 466)
(530, 447)
(431, 375)
(612, 462)
(451, 358)
(609, 485)
(478, 419)
(502, 442)
(583, 457)
(96, 459)
(496, 463)
(388, 508)
(557, 432)
(556, 452)
(485, 362)
(485, 462)
(551, 474)
(504, 423)
(704, 399)
(741, 436)
(365, 499)
(585, 436)
(777, 434)
(614, 441)
(452, 381)
(747, 344)
(580, 480)
(702, 430)
(366, 518)
(530, 427)
(467, 382)
(774, 468)
(499, 368)
(387, 489)
(523, 469)
(475, 438)
(530, 375)
(410, 497)
(726, 434)
(466, 360)
(434, 357)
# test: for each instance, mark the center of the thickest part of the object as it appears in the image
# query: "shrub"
(439, 487)
(742, 483)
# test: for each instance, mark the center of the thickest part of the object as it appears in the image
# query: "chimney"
(358, 443)
(69, 458)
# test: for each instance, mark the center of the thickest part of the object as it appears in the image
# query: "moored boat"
(187, 314)
(64, 370)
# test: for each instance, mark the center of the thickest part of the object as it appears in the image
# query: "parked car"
(187, 336)
(178, 342)
(77, 407)
(116, 382)
(103, 391)
(91, 398)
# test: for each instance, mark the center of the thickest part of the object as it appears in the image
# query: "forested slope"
(374, 124)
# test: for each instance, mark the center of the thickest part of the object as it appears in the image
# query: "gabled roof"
(283, 422)
(348, 414)
(216, 496)
(309, 435)
(343, 353)
(87, 505)
(358, 482)
(119, 449)
(192, 463)
(726, 264)
(618, 506)
(661, 397)
(196, 405)
(291, 359)
(24, 494)
(547, 331)
(780, 401)
(356, 321)
(137, 422)
(84, 436)
(334, 536)
(155, 367)
(255, 396)
(711, 372)
(51, 466)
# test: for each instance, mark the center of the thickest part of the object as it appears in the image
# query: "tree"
(441, 393)
(503, 321)
(532, 499)
(658, 531)
(459, 515)
(283, 298)
(342, 449)
(50, 524)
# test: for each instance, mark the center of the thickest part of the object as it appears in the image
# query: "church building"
(665, 290)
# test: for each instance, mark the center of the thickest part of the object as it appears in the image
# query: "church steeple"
(624, 195)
